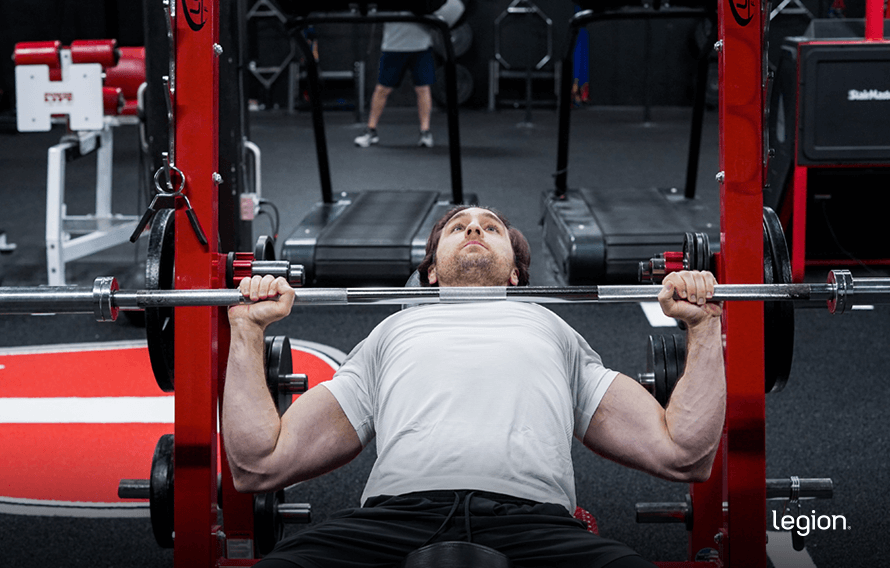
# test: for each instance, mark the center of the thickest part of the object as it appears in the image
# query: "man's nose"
(474, 227)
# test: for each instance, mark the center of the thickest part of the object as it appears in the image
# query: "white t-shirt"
(481, 396)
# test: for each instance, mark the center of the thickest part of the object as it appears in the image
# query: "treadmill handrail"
(439, 25)
(586, 17)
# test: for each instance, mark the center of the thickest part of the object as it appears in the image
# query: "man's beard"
(475, 270)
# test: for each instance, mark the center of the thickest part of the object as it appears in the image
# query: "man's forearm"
(250, 421)
(697, 406)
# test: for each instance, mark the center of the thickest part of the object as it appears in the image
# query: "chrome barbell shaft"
(104, 299)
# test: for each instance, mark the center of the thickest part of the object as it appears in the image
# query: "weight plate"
(778, 317)
(159, 275)
(161, 492)
(670, 368)
(265, 248)
(461, 40)
(279, 363)
(656, 346)
(267, 526)
(465, 85)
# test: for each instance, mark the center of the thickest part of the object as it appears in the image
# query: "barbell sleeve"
(796, 488)
(134, 489)
(104, 299)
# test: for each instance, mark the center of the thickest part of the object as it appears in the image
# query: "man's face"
(474, 250)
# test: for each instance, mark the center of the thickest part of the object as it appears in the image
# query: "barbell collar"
(851, 291)
(293, 273)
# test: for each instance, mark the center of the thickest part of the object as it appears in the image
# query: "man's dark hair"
(521, 254)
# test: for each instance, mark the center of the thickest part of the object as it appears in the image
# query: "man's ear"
(431, 275)
(514, 277)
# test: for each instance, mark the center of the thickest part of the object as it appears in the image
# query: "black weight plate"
(159, 275)
(461, 40)
(279, 362)
(161, 492)
(265, 248)
(267, 526)
(670, 368)
(704, 251)
(465, 85)
(656, 343)
(778, 317)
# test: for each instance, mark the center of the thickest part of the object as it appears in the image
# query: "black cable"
(274, 219)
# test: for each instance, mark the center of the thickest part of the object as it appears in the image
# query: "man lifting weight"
(473, 407)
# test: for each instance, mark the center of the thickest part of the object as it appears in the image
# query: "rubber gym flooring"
(830, 420)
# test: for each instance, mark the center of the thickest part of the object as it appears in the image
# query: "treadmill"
(341, 241)
(600, 235)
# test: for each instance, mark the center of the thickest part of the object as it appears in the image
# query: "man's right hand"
(277, 292)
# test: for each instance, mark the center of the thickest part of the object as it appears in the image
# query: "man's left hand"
(685, 296)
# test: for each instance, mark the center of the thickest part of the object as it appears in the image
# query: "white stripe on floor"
(101, 410)
(655, 316)
(782, 554)
(41, 508)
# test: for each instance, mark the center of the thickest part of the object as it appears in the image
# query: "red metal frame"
(202, 334)
(731, 504)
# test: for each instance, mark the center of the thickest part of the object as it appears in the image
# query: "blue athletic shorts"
(393, 65)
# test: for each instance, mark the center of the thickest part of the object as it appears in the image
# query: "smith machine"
(725, 516)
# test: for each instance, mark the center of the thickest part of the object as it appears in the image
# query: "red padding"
(585, 516)
(38, 53)
(102, 51)
(129, 72)
(112, 100)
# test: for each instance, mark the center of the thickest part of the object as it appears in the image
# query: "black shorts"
(386, 529)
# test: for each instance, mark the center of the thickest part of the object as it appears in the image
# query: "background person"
(407, 46)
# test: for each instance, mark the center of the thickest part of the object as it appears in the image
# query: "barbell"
(105, 299)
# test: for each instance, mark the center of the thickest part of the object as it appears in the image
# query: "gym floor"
(829, 421)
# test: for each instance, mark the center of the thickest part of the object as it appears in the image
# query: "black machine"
(600, 235)
(342, 241)
(829, 124)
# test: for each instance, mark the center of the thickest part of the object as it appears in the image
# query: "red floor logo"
(76, 419)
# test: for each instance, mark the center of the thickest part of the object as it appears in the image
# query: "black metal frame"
(586, 17)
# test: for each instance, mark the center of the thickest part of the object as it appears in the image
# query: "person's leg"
(630, 562)
(423, 71)
(382, 533)
(378, 103)
(536, 535)
(275, 563)
(424, 106)
(389, 75)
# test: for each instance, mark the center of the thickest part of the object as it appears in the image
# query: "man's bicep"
(316, 436)
(628, 427)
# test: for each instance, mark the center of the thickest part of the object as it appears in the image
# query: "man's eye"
(492, 228)
(457, 227)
